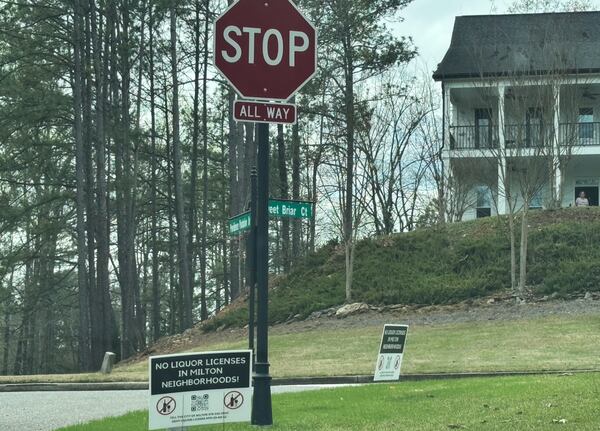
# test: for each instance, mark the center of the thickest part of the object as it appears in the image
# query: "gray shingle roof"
(496, 45)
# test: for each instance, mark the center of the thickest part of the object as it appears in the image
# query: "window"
(484, 201)
(537, 201)
(534, 127)
(586, 123)
(483, 128)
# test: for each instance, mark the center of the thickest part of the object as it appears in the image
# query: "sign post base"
(262, 412)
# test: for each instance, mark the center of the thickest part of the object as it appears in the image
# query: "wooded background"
(120, 165)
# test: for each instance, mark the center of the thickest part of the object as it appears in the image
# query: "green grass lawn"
(554, 342)
(505, 403)
(545, 343)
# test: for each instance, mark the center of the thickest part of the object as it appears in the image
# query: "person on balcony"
(582, 200)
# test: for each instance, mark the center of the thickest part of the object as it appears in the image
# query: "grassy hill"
(454, 264)
(441, 265)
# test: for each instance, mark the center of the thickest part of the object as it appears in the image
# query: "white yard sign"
(391, 351)
(200, 389)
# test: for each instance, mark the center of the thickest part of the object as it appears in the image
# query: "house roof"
(500, 45)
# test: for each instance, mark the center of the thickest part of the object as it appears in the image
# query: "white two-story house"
(521, 110)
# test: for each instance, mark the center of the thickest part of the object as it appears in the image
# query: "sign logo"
(165, 406)
(233, 400)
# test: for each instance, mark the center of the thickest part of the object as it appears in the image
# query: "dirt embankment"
(498, 307)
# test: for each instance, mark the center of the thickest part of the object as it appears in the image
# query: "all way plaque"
(200, 389)
(262, 112)
(391, 351)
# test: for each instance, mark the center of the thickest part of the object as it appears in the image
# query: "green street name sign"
(240, 223)
(277, 208)
(290, 209)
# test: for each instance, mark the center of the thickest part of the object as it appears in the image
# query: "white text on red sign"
(298, 42)
(264, 112)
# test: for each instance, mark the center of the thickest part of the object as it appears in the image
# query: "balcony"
(518, 136)
(580, 134)
(473, 137)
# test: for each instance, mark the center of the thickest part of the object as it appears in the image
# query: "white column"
(557, 177)
(501, 198)
(447, 114)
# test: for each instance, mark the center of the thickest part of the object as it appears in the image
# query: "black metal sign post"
(264, 80)
(261, 403)
(251, 263)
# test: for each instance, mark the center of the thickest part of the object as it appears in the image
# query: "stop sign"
(266, 49)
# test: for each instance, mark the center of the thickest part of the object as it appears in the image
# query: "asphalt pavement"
(47, 411)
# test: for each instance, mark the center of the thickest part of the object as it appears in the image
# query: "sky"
(430, 23)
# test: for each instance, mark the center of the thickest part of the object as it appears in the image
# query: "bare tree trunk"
(349, 191)
(140, 290)
(314, 197)
(7, 319)
(6, 338)
(30, 305)
(175, 296)
(156, 332)
(315, 171)
(523, 250)
(296, 226)
(224, 225)
(125, 202)
(18, 364)
(283, 187)
(101, 281)
(192, 209)
(204, 230)
(48, 328)
(96, 316)
(513, 252)
(30, 344)
(82, 276)
(103, 218)
(184, 273)
(441, 199)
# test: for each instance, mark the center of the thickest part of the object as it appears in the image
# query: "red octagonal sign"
(266, 49)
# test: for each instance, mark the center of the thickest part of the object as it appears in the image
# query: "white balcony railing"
(523, 136)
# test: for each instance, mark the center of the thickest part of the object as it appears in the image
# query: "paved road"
(47, 411)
